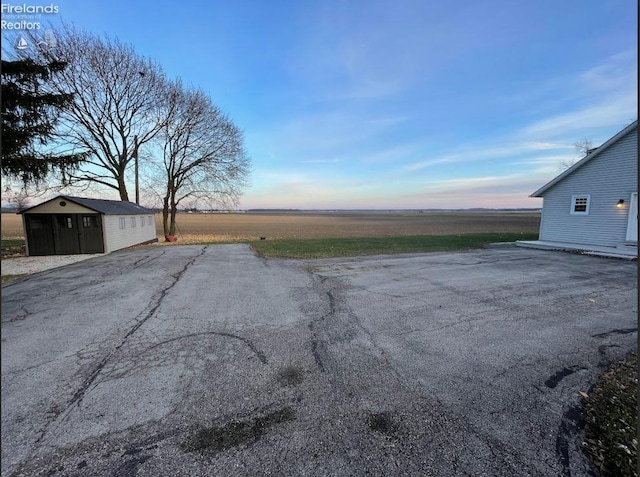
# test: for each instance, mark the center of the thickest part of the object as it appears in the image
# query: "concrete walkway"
(628, 252)
(28, 265)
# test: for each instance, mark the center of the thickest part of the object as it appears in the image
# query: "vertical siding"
(609, 177)
(116, 238)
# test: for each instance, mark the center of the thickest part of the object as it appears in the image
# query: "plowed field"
(194, 228)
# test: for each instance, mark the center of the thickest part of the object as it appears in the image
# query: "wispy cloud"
(608, 103)
(607, 98)
(481, 152)
(608, 112)
(617, 73)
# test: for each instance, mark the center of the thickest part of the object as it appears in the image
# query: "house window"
(133, 222)
(123, 223)
(150, 222)
(141, 221)
(580, 204)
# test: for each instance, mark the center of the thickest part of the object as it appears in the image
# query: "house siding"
(607, 178)
(116, 238)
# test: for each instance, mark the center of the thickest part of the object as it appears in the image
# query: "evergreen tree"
(29, 117)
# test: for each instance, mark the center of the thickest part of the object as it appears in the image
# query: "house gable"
(591, 155)
(607, 176)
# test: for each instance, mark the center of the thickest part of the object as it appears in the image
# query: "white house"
(593, 205)
(72, 225)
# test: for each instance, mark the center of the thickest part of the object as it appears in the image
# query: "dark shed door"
(67, 234)
(91, 240)
(40, 234)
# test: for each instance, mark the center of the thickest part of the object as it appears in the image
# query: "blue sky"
(395, 104)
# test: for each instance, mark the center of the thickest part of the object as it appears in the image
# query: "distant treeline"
(13, 210)
(476, 209)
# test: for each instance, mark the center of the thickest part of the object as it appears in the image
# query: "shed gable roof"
(107, 207)
(540, 192)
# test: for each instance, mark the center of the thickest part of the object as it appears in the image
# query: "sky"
(405, 104)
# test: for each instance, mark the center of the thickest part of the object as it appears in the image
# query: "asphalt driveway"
(209, 360)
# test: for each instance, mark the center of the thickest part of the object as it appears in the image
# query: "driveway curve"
(210, 360)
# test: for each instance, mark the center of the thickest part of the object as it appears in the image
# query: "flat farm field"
(231, 227)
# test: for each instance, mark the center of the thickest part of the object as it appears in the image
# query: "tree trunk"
(165, 217)
(174, 206)
(122, 188)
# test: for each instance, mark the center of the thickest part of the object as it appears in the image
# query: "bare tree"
(203, 158)
(583, 148)
(116, 99)
(19, 198)
(21, 194)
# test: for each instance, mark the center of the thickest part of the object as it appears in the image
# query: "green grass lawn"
(13, 248)
(10, 278)
(346, 247)
(611, 438)
(18, 242)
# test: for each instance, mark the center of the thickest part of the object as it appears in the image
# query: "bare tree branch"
(202, 154)
(117, 96)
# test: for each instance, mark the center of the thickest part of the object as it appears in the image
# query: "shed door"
(91, 233)
(67, 239)
(40, 234)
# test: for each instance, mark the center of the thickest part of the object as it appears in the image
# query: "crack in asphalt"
(622, 331)
(572, 422)
(89, 380)
(148, 258)
(568, 427)
(320, 350)
(318, 347)
(602, 349)
(260, 354)
(28, 368)
(555, 379)
(465, 319)
(20, 316)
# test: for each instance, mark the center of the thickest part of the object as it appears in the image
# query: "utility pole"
(135, 156)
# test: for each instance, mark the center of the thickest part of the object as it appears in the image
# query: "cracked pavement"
(209, 360)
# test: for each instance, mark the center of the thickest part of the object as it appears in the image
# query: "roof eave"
(65, 197)
(540, 192)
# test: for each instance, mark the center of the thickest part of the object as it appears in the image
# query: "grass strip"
(10, 278)
(355, 246)
(611, 439)
(12, 242)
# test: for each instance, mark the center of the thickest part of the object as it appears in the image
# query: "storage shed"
(72, 225)
(593, 205)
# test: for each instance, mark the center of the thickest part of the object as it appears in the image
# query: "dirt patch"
(384, 423)
(290, 376)
(15, 251)
(236, 432)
